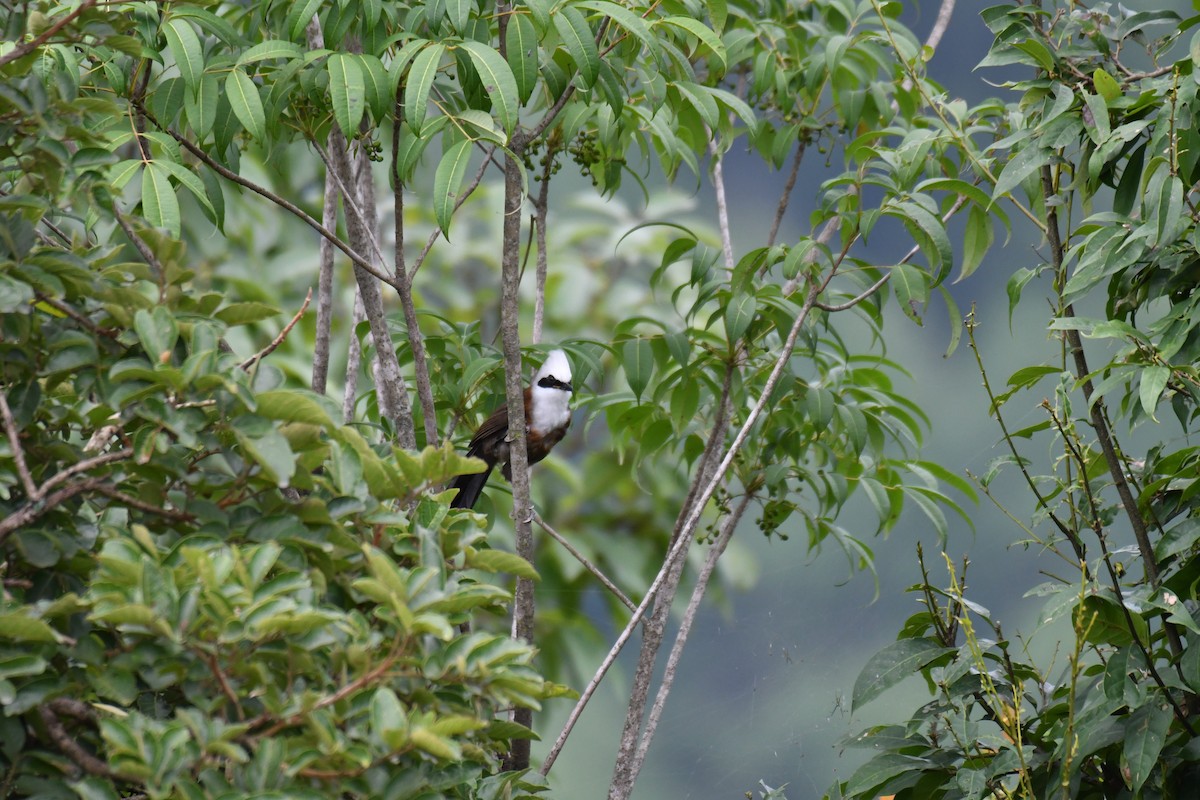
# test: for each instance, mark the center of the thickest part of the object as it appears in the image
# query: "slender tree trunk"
(510, 317)
(321, 349)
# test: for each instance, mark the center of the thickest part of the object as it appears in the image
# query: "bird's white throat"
(551, 409)
(551, 404)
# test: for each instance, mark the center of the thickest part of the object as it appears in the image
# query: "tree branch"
(32, 492)
(786, 195)
(685, 629)
(323, 345)
(404, 284)
(390, 387)
(582, 559)
(72, 749)
(283, 203)
(278, 340)
(510, 317)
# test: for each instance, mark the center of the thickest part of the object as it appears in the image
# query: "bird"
(547, 417)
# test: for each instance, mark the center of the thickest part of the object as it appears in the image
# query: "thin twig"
(404, 284)
(462, 198)
(582, 559)
(148, 508)
(32, 492)
(84, 466)
(283, 203)
(148, 255)
(786, 195)
(1097, 527)
(718, 179)
(82, 319)
(363, 681)
(323, 345)
(71, 748)
(278, 340)
(685, 629)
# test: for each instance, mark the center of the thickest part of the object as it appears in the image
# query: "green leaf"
(420, 81)
(1145, 734)
(299, 15)
(1106, 85)
(977, 239)
(500, 561)
(1018, 168)
(521, 47)
(160, 206)
(459, 12)
(912, 290)
(893, 664)
(157, 331)
(447, 180)
(1154, 380)
(190, 181)
(20, 627)
(934, 242)
(498, 82)
(347, 91)
(637, 358)
(267, 447)
(270, 49)
(705, 34)
(185, 48)
(739, 313)
(388, 720)
(246, 103)
(13, 294)
(580, 42)
(246, 313)
(625, 19)
(876, 773)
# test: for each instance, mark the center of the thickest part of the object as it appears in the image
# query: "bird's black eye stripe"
(551, 382)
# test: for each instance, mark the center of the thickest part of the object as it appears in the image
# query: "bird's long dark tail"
(469, 488)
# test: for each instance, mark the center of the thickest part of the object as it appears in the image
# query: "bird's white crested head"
(555, 366)
(551, 394)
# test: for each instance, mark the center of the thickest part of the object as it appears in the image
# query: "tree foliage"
(218, 580)
(1099, 150)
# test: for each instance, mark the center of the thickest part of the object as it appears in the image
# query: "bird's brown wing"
(493, 426)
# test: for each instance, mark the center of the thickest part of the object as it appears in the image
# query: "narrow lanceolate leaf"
(738, 315)
(627, 21)
(270, 49)
(1145, 734)
(498, 82)
(420, 80)
(348, 92)
(1018, 168)
(977, 238)
(299, 16)
(893, 664)
(932, 238)
(912, 290)
(447, 180)
(521, 47)
(637, 357)
(160, 206)
(702, 32)
(185, 47)
(1154, 380)
(190, 181)
(246, 104)
(580, 43)
(501, 561)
